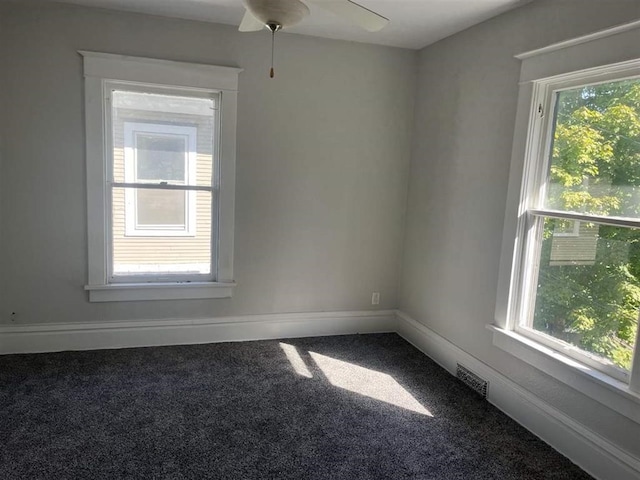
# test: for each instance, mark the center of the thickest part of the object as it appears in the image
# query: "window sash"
(533, 241)
(154, 232)
(113, 278)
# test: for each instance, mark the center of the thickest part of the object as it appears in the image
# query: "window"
(581, 270)
(568, 297)
(157, 154)
(160, 175)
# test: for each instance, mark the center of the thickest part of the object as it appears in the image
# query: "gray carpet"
(358, 407)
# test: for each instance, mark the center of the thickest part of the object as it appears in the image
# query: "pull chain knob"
(274, 27)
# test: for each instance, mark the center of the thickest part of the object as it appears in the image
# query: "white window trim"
(99, 69)
(610, 54)
(131, 225)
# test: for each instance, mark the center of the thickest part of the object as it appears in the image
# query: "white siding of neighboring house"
(577, 249)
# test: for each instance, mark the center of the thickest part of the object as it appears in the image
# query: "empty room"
(320, 239)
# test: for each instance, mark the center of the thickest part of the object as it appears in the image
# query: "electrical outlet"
(375, 298)
(13, 316)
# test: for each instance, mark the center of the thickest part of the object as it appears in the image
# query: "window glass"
(162, 253)
(161, 157)
(588, 292)
(161, 208)
(595, 159)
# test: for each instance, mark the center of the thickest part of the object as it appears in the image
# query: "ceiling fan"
(278, 14)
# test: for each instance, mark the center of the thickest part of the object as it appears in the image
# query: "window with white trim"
(160, 175)
(580, 272)
(568, 297)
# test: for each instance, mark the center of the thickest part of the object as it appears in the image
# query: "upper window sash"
(540, 131)
(541, 128)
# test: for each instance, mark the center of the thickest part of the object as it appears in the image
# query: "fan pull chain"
(273, 38)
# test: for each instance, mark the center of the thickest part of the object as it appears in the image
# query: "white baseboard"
(593, 453)
(147, 333)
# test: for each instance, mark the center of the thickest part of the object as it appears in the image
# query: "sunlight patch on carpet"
(369, 383)
(295, 360)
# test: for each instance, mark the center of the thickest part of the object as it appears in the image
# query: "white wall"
(463, 134)
(322, 166)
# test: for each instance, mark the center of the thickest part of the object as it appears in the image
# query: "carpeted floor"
(351, 407)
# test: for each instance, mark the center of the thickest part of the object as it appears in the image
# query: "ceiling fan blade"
(250, 23)
(357, 14)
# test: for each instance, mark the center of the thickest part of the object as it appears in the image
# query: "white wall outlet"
(375, 298)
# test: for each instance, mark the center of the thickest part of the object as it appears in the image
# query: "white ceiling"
(413, 23)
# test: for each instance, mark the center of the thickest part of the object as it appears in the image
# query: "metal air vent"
(472, 380)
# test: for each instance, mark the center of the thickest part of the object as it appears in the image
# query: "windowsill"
(586, 380)
(127, 292)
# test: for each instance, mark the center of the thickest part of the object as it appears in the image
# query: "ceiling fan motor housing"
(286, 13)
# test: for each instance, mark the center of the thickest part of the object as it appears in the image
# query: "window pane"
(588, 290)
(595, 159)
(169, 249)
(163, 138)
(161, 157)
(161, 208)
